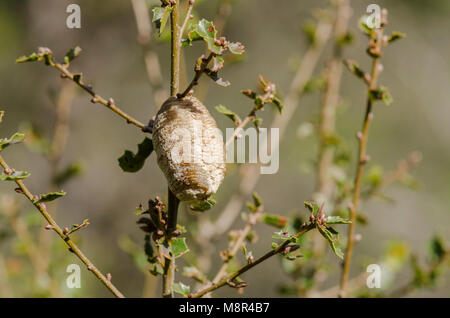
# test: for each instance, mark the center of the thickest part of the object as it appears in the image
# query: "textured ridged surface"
(189, 148)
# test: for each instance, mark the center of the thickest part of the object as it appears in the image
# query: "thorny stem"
(54, 226)
(362, 160)
(169, 264)
(237, 244)
(227, 279)
(96, 98)
(186, 19)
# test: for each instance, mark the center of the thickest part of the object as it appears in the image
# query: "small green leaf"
(396, 36)
(332, 236)
(160, 17)
(2, 113)
(312, 207)
(278, 104)
(229, 113)
(274, 245)
(355, 69)
(337, 220)
(274, 220)
(130, 162)
(50, 196)
(202, 206)
(16, 138)
(14, 176)
(31, 58)
(382, 93)
(257, 199)
(181, 289)
(236, 48)
(178, 247)
(206, 30)
(437, 249)
(72, 54)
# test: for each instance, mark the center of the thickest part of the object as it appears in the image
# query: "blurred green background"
(417, 71)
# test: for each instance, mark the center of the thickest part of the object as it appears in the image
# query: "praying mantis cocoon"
(189, 148)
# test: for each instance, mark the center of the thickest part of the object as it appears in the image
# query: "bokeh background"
(416, 71)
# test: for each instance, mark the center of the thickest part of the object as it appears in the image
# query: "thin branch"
(198, 73)
(252, 217)
(362, 160)
(77, 78)
(54, 226)
(169, 264)
(186, 19)
(226, 280)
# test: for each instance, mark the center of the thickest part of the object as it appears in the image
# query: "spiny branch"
(66, 238)
(227, 279)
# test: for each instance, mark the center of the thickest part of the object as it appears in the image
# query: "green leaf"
(256, 199)
(312, 207)
(31, 58)
(16, 138)
(50, 196)
(437, 249)
(274, 220)
(278, 104)
(236, 48)
(178, 247)
(337, 220)
(130, 162)
(382, 93)
(229, 113)
(206, 30)
(375, 175)
(14, 176)
(396, 36)
(69, 172)
(195, 273)
(2, 113)
(72, 54)
(355, 69)
(202, 206)
(181, 289)
(332, 237)
(160, 17)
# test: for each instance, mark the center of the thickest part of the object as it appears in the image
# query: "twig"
(54, 226)
(330, 101)
(186, 19)
(198, 73)
(362, 159)
(47, 54)
(252, 217)
(169, 264)
(224, 281)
